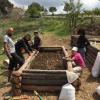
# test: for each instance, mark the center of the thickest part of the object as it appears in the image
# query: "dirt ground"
(88, 86)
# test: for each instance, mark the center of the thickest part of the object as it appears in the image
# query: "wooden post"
(66, 61)
(16, 85)
(17, 78)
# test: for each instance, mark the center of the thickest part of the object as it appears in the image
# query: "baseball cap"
(75, 49)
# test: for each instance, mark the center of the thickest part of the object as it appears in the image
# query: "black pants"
(35, 47)
(14, 61)
(20, 55)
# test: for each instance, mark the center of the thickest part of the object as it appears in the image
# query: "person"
(37, 41)
(9, 48)
(77, 59)
(23, 45)
(82, 43)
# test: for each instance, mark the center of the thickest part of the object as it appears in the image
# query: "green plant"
(52, 10)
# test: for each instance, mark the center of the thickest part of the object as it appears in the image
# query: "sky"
(59, 4)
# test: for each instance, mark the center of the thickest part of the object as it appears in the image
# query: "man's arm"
(26, 48)
(29, 46)
(6, 49)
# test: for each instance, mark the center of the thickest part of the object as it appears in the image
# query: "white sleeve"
(5, 39)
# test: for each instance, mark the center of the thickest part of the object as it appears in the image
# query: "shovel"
(37, 94)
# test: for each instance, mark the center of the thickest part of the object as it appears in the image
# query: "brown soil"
(88, 86)
(47, 61)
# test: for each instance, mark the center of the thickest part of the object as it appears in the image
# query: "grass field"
(24, 26)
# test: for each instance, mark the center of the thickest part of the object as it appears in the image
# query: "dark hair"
(27, 35)
(81, 31)
(36, 32)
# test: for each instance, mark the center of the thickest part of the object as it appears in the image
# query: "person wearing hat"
(76, 58)
(37, 41)
(9, 47)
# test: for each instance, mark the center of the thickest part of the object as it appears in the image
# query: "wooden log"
(41, 88)
(65, 52)
(44, 71)
(64, 63)
(91, 55)
(89, 63)
(43, 76)
(15, 80)
(93, 49)
(47, 82)
(25, 65)
(69, 66)
(16, 92)
(16, 86)
(92, 52)
(91, 58)
(49, 49)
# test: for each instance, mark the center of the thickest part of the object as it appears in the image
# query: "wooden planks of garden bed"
(38, 79)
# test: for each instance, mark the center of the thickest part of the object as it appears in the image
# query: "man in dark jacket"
(23, 46)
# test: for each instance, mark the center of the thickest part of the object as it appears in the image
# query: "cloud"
(59, 4)
(90, 4)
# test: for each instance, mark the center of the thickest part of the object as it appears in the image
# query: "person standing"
(82, 43)
(9, 48)
(37, 41)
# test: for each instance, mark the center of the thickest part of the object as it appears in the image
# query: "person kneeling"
(77, 60)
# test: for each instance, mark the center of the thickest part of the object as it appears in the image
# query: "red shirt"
(77, 58)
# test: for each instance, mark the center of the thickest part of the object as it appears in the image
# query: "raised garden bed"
(47, 60)
(44, 71)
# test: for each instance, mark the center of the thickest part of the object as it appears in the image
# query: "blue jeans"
(82, 51)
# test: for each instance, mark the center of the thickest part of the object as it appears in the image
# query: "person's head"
(81, 32)
(27, 37)
(10, 31)
(36, 33)
(74, 50)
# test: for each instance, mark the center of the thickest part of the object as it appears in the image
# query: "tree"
(5, 7)
(52, 10)
(73, 10)
(96, 11)
(35, 9)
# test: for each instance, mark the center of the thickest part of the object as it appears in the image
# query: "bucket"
(67, 92)
(98, 90)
